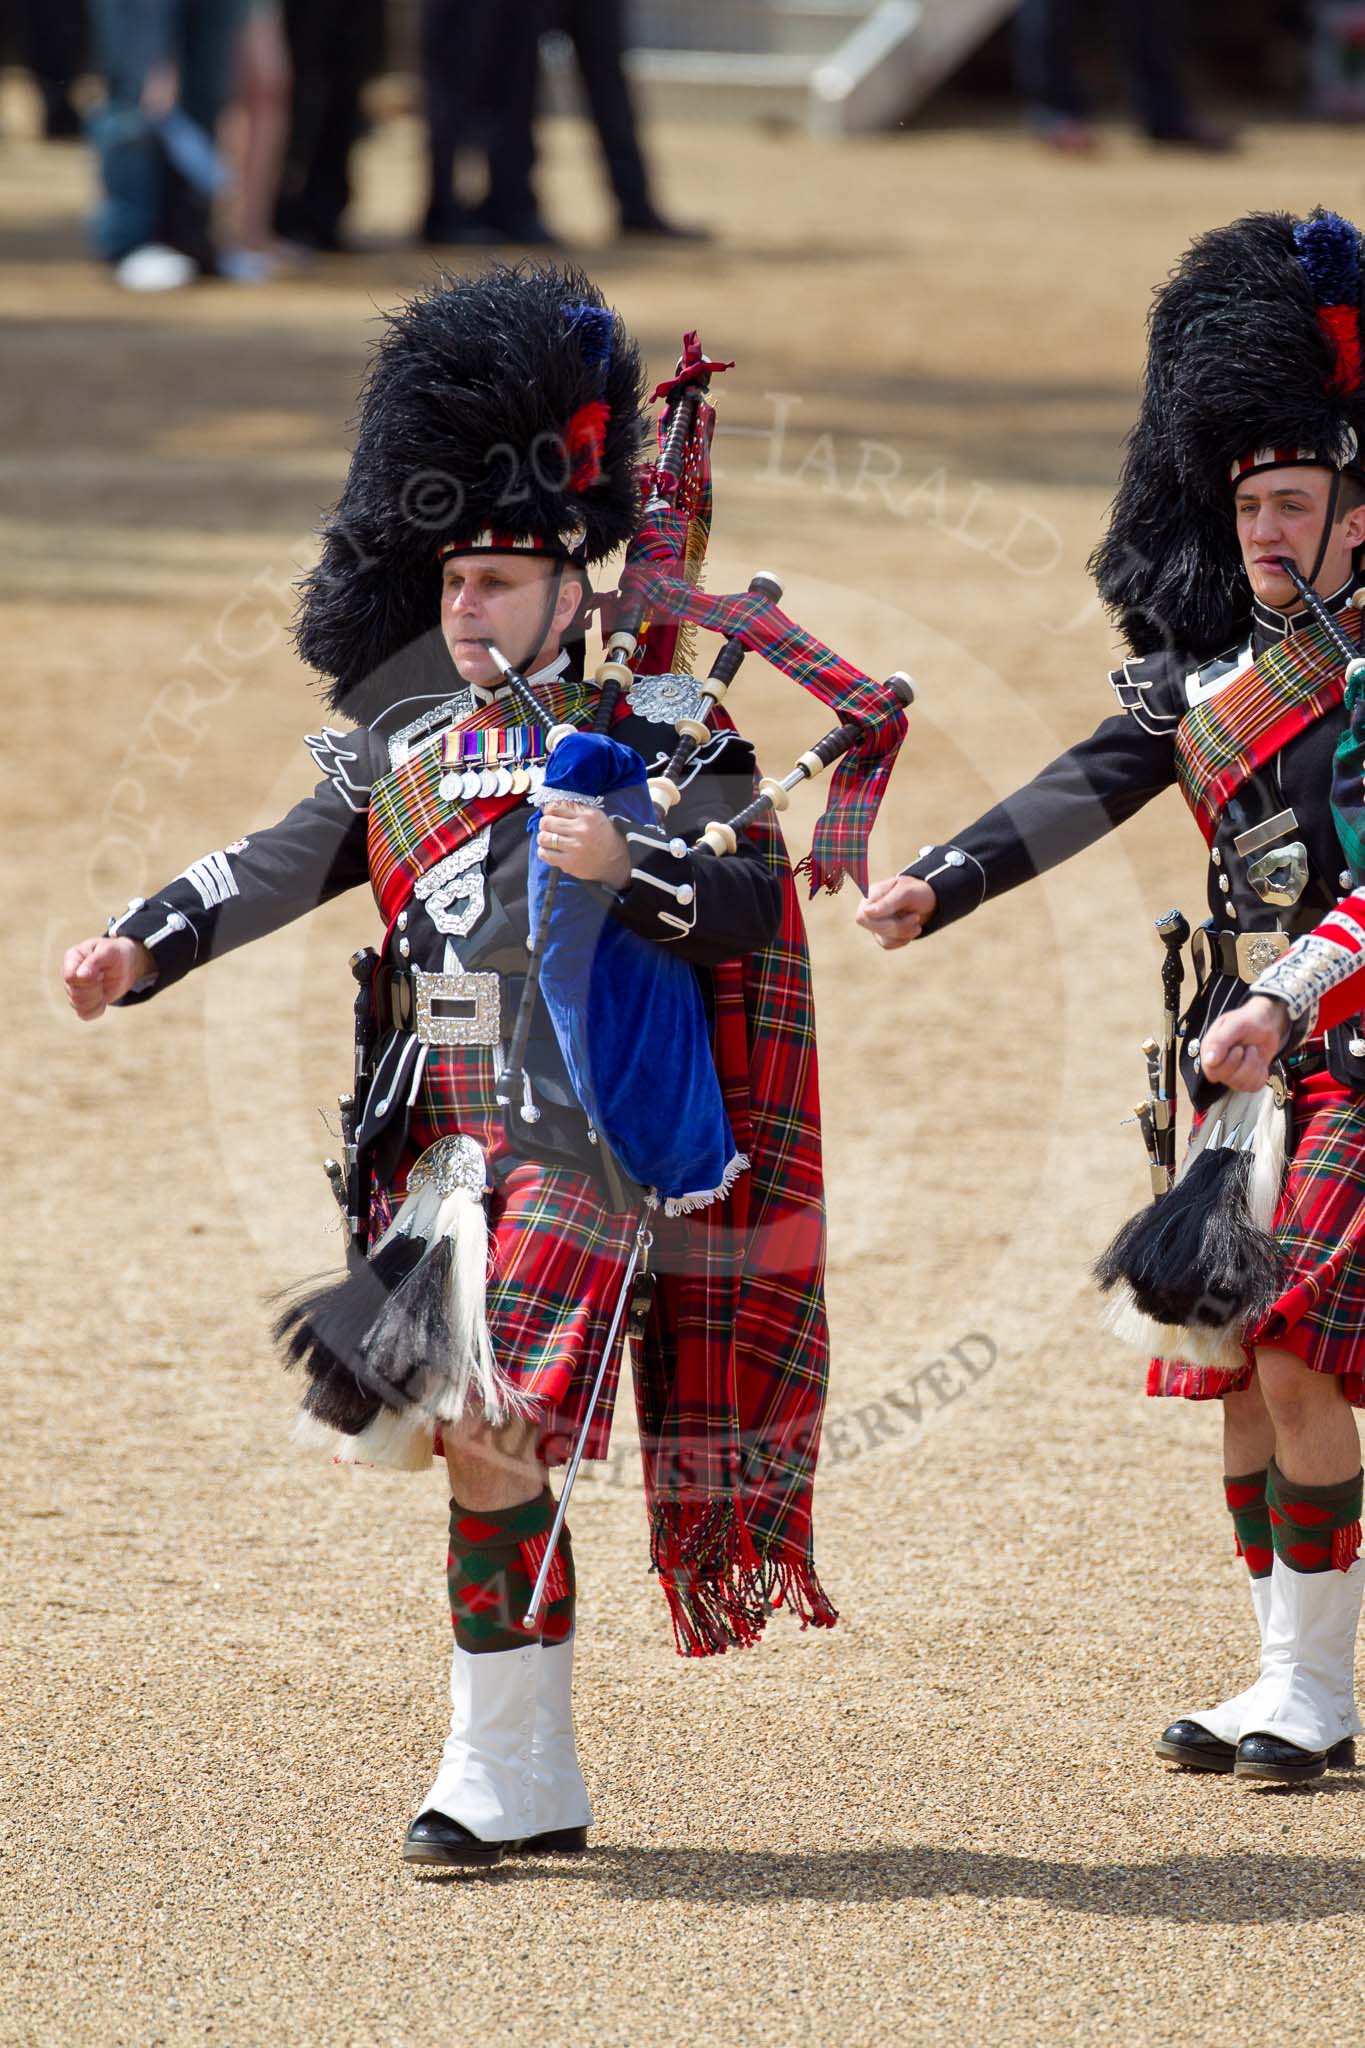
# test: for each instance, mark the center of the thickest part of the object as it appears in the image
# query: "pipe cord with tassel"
(721, 837)
(693, 733)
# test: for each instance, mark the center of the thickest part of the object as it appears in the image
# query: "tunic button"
(1224, 884)
(402, 920)
(954, 859)
(1216, 857)
(137, 902)
(404, 948)
(176, 921)
(924, 853)
(1231, 909)
(1357, 1048)
(1193, 1048)
(1344, 879)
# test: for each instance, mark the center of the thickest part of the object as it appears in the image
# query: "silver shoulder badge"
(336, 760)
(665, 699)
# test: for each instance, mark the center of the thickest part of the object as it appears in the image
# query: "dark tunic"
(560, 1229)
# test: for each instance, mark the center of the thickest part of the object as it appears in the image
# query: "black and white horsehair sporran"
(1189, 1272)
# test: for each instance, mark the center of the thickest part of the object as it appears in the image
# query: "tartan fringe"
(1345, 1547)
(719, 1586)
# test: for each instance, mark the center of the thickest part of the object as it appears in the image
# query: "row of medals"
(513, 758)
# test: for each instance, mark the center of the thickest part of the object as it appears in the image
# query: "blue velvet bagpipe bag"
(628, 1014)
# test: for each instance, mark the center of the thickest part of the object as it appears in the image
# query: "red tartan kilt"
(1320, 1223)
(557, 1255)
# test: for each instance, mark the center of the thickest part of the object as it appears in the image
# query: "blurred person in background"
(480, 69)
(480, 63)
(332, 51)
(49, 37)
(1150, 36)
(259, 121)
(168, 68)
(597, 31)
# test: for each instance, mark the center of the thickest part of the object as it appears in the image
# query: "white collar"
(483, 697)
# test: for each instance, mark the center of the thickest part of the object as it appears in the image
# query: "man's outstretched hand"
(896, 910)
(98, 971)
(1236, 1051)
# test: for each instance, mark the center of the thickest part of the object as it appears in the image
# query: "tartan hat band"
(566, 547)
(1258, 459)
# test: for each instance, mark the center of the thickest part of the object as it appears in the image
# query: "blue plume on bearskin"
(628, 1015)
(1329, 250)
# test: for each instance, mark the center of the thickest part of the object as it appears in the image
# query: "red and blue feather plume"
(1329, 251)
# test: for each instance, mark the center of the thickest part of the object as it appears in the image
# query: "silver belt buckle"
(1258, 950)
(457, 1009)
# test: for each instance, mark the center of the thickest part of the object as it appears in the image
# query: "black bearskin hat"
(1254, 362)
(502, 412)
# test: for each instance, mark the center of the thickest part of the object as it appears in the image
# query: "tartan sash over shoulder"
(412, 826)
(1222, 742)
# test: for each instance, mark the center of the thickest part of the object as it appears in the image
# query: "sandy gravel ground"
(224, 1664)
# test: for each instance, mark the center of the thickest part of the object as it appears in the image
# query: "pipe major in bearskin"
(585, 1093)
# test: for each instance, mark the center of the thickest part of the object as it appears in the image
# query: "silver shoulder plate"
(408, 738)
(665, 699)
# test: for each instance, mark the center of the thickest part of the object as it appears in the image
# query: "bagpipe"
(614, 997)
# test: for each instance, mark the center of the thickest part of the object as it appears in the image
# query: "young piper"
(498, 456)
(1232, 563)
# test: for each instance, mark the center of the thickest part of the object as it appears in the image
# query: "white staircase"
(834, 66)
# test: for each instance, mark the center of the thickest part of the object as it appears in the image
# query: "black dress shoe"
(1186, 1743)
(555, 1842)
(659, 229)
(526, 231)
(435, 1838)
(449, 228)
(1284, 1763)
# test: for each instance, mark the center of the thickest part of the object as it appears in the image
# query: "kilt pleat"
(557, 1255)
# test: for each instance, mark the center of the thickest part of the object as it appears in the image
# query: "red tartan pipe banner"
(859, 779)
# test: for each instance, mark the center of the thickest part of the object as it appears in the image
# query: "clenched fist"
(98, 971)
(1236, 1051)
(897, 910)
